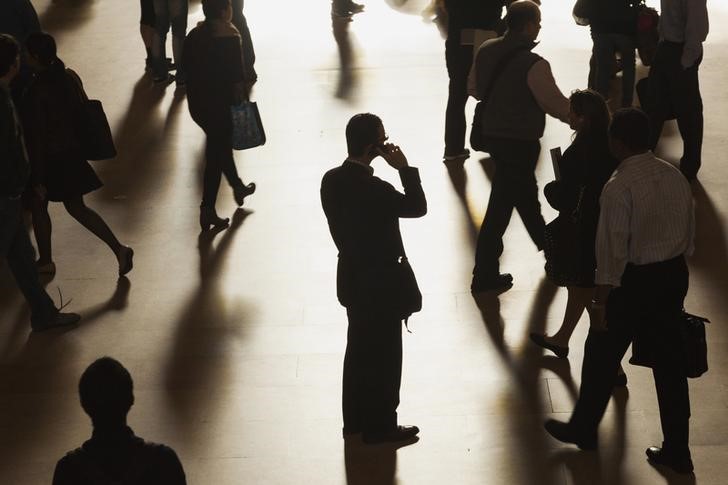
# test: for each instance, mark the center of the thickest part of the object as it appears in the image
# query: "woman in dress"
(584, 168)
(216, 80)
(51, 111)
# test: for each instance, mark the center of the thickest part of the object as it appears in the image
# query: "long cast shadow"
(207, 323)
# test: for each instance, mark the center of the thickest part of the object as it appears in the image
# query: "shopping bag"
(248, 129)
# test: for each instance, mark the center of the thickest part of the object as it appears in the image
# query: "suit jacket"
(363, 213)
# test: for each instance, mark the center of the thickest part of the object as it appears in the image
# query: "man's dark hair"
(362, 130)
(106, 390)
(631, 126)
(519, 14)
(213, 9)
(9, 50)
(42, 46)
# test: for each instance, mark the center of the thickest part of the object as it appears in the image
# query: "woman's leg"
(214, 148)
(93, 222)
(577, 301)
(42, 228)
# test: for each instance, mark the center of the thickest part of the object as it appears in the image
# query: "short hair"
(631, 126)
(42, 46)
(362, 130)
(106, 390)
(521, 13)
(213, 9)
(9, 51)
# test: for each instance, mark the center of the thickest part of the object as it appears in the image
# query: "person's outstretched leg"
(42, 228)
(522, 182)
(92, 221)
(576, 303)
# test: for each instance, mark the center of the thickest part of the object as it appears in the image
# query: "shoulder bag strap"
(499, 68)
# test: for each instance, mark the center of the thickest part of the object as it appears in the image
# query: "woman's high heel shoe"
(209, 218)
(240, 192)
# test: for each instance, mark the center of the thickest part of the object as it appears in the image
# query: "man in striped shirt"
(646, 227)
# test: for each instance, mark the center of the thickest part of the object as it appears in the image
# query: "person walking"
(646, 228)
(584, 169)
(363, 214)
(51, 110)
(216, 81)
(518, 89)
(14, 175)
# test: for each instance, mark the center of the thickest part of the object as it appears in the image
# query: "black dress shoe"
(540, 340)
(500, 283)
(565, 433)
(680, 464)
(400, 433)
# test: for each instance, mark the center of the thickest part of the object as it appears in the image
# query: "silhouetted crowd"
(618, 244)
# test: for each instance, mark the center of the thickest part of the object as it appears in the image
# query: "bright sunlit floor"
(236, 341)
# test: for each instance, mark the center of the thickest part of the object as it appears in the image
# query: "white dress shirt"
(646, 216)
(685, 21)
(543, 86)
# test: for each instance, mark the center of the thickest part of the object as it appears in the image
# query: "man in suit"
(363, 213)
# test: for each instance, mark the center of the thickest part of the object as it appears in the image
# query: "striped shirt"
(646, 216)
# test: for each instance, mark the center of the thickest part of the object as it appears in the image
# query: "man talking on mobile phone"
(363, 213)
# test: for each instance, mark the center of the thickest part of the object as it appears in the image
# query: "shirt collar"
(369, 168)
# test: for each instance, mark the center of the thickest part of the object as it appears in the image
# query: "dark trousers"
(15, 246)
(675, 92)
(514, 186)
(647, 305)
(603, 50)
(459, 59)
(372, 371)
(219, 159)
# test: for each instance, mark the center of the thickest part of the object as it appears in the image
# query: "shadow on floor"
(370, 465)
(65, 15)
(208, 325)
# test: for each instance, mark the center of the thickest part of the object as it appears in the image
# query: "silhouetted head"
(41, 49)
(9, 58)
(629, 133)
(364, 134)
(107, 392)
(217, 9)
(524, 18)
(588, 114)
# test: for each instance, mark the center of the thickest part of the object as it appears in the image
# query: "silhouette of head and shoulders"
(114, 454)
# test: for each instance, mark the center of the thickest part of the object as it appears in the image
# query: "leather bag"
(96, 140)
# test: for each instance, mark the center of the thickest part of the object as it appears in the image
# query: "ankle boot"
(240, 192)
(208, 218)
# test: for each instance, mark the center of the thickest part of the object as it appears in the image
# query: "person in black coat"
(363, 213)
(216, 80)
(51, 112)
(584, 168)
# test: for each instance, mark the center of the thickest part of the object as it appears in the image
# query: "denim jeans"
(605, 46)
(15, 246)
(174, 13)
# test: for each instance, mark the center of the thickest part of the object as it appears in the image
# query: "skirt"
(69, 176)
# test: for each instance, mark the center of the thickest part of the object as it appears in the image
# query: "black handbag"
(561, 249)
(694, 346)
(407, 291)
(96, 140)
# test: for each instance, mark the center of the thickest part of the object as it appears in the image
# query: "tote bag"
(248, 129)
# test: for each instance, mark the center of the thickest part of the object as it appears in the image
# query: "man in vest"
(520, 89)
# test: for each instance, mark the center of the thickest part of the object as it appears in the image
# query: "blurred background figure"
(345, 8)
(174, 13)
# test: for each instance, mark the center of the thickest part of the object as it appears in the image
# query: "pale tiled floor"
(236, 342)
